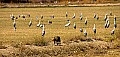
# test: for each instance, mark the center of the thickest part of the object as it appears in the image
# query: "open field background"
(28, 35)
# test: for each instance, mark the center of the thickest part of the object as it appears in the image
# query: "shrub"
(40, 41)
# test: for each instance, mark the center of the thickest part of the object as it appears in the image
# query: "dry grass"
(32, 36)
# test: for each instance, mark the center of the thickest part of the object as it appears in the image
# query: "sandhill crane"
(110, 13)
(73, 16)
(113, 31)
(52, 17)
(81, 30)
(85, 33)
(14, 25)
(68, 20)
(28, 14)
(19, 15)
(80, 14)
(97, 17)
(94, 29)
(81, 17)
(36, 17)
(41, 16)
(38, 25)
(115, 24)
(16, 17)
(30, 23)
(68, 24)
(74, 26)
(114, 18)
(86, 21)
(43, 31)
(23, 16)
(66, 15)
(105, 18)
(94, 15)
(41, 25)
(108, 24)
(50, 22)
(12, 17)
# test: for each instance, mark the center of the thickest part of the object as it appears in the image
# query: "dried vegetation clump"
(81, 49)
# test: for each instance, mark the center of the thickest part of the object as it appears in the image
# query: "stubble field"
(32, 35)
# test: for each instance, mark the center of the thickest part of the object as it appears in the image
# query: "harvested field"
(27, 41)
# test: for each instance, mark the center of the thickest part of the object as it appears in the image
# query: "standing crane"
(43, 31)
(28, 14)
(19, 15)
(86, 21)
(73, 16)
(38, 25)
(12, 17)
(23, 16)
(95, 15)
(74, 26)
(85, 33)
(115, 24)
(113, 31)
(80, 14)
(81, 30)
(41, 26)
(52, 17)
(108, 24)
(94, 29)
(105, 18)
(50, 22)
(114, 18)
(36, 17)
(68, 24)
(41, 16)
(14, 25)
(81, 17)
(66, 15)
(110, 13)
(30, 23)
